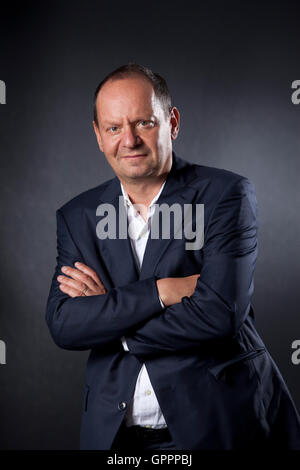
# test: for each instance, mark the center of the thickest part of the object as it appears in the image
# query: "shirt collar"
(128, 202)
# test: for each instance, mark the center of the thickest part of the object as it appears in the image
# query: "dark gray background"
(229, 67)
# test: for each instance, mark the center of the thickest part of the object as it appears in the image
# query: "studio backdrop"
(234, 75)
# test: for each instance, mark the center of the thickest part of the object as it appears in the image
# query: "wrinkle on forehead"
(132, 97)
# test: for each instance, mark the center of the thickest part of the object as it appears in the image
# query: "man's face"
(134, 133)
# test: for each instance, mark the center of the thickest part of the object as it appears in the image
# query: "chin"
(137, 171)
(137, 174)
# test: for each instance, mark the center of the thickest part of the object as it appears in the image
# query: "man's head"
(133, 116)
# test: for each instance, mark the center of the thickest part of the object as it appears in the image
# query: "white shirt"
(143, 409)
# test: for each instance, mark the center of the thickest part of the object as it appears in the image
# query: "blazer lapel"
(175, 191)
(117, 253)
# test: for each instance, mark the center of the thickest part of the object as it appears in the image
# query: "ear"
(174, 122)
(98, 136)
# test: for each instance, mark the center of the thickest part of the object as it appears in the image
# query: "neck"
(142, 192)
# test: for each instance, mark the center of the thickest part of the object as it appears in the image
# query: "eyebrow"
(142, 118)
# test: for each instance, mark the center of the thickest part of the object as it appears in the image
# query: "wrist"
(162, 291)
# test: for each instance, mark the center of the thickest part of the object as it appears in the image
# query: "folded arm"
(84, 322)
(221, 301)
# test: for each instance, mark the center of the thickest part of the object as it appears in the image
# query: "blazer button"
(122, 405)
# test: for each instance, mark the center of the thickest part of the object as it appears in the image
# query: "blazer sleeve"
(221, 300)
(81, 323)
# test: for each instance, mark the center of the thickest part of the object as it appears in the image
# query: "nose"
(130, 137)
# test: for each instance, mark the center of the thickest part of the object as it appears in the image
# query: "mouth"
(128, 157)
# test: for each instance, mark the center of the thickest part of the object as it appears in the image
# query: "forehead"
(127, 96)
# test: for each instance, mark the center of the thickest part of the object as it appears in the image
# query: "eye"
(146, 123)
(113, 128)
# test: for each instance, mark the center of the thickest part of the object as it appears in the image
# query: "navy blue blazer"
(217, 385)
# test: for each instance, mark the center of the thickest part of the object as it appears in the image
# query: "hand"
(172, 289)
(83, 281)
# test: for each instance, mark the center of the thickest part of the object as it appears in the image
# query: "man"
(175, 362)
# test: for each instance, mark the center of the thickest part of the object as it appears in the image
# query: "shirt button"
(148, 392)
(122, 405)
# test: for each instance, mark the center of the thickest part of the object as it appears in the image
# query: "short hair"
(159, 84)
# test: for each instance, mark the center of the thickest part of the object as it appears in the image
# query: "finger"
(82, 286)
(69, 290)
(72, 283)
(90, 272)
(80, 276)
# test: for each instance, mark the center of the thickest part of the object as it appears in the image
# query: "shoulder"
(87, 199)
(217, 181)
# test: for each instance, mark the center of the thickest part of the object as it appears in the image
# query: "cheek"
(163, 136)
(110, 146)
(155, 138)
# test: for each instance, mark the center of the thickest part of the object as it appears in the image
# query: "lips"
(135, 156)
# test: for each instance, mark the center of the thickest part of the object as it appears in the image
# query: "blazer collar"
(175, 184)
